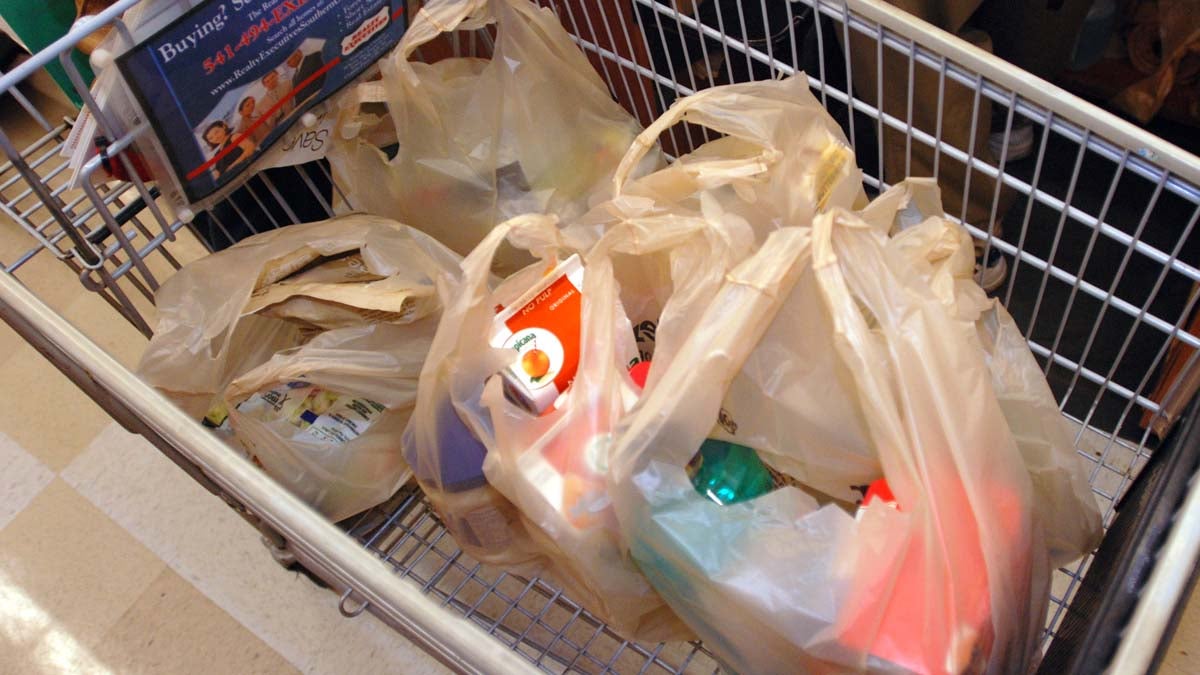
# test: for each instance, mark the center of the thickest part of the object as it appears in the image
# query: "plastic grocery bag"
(943, 254)
(647, 280)
(649, 267)
(445, 442)
(954, 578)
(532, 130)
(792, 387)
(310, 340)
(213, 326)
(326, 419)
(779, 160)
(1066, 506)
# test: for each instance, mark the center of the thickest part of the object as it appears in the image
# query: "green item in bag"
(728, 473)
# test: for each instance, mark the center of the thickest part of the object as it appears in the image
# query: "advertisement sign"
(221, 84)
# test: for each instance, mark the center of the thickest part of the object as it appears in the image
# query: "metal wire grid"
(530, 615)
(1039, 276)
(73, 225)
(113, 233)
(113, 240)
(1047, 289)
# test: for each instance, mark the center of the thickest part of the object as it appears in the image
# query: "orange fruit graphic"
(535, 363)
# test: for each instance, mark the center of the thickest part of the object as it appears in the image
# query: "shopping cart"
(1097, 235)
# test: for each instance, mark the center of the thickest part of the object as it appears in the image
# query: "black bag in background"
(699, 61)
(788, 36)
(301, 194)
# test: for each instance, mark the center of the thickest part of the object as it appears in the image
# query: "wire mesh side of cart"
(1097, 230)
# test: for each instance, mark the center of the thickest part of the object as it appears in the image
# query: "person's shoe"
(991, 275)
(1019, 142)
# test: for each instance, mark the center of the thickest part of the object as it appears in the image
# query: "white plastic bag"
(533, 129)
(781, 159)
(326, 419)
(446, 441)
(656, 271)
(208, 330)
(649, 265)
(322, 411)
(943, 254)
(954, 580)
(794, 400)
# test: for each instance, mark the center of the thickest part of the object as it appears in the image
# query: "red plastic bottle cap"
(881, 490)
(638, 372)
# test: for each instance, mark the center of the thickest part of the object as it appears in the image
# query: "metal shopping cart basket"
(1096, 229)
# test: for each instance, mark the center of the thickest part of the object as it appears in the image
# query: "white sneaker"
(1020, 142)
(992, 274)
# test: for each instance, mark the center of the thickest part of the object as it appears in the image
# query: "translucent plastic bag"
(648, 266)
(792, 387)
(954, 579)
(211, 326)
(1066, 506)
(943, 254)
(324, 326)
(532, 130)
(779, 161)
(326, 419)
(443, 443)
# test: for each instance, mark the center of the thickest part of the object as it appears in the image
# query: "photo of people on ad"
(222, 83)
(244, 119)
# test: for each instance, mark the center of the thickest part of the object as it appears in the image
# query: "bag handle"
(768, 115)
(437, 17)
(945, 446)
(857, 273)
(445, 16)
(856, 345)
(465, 317)
(641, 230)
(709, 108)
(431, 20)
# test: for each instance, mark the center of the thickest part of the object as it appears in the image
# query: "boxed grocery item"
(542, 327)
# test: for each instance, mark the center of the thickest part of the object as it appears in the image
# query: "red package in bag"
(952, 578)
(898, 635)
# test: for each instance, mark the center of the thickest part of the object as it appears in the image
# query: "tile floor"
(113, 561)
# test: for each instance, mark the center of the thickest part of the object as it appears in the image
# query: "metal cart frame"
(397, 562)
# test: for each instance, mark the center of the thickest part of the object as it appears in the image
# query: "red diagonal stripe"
(262, 118)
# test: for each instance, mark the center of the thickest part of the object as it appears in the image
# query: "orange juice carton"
(542, 327)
